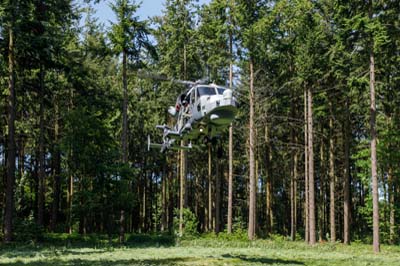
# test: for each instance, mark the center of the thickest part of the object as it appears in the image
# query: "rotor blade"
(147, 75)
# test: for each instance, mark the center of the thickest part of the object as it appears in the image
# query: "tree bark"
(346, 182)
(230, 148)
(392, 225)
(293, 188)
(10, 182)
(311, 170)
(124, 138)
(332, 177)
(164, 208)
(217, 197)
(182, 188)
(252, 178)
(375, 196)
(56, 172)
(321, 189)
(70, 185)
(41, 196)
(306, 210)
(268, 183)
(210, 216)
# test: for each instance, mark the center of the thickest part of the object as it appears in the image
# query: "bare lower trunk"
(164, 198)
(375, 196)
(306, 223)
(182, 190)
(124, 138)
(41, 196)
(122, 227)
(70, 195)
(346, 182)
(392, 225)
(217, 197)
(230, 180)
(210, 217)
(252, 178)
(293, 177)
(311, 170)
(332, 177)
(56, 173)
(10, 182)
(70, 184)
(293, 193)
(268, 183)
(230, 177)
(321, 190)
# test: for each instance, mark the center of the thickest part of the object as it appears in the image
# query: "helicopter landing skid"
(168, 144)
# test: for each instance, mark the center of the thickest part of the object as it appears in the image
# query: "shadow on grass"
(80, 262)
(65, 244)
(263, 260)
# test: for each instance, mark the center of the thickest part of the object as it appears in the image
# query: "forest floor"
(199, 251)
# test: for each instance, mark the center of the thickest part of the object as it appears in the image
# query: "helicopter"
(201, 113)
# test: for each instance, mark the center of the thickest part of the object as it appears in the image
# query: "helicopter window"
(220, 90)
(205, 91)
(192, 96)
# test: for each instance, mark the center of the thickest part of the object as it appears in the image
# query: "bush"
(190, 223)
(28, 230)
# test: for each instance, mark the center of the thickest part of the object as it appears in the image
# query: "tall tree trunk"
(217, 196)
(41, 196)
(375, 196)
(230, 180)
(164, 209)
(306, 210)
(321, 189)
(332, 176)
(182, 187)
(268, 183)
(21, 170)
(392, 225)
(293, 187)
(171, 190)
(144, 203)
(56, 172)
(10, 182)
(209, 212)
(252, 178)
(346, 182)
(230, 177)
(124, 138)
(70, 194)
(311, 170)
(70, 185)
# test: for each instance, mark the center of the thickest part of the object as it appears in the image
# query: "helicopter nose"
(227, 94)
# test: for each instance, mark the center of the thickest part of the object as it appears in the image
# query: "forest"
(313, 154)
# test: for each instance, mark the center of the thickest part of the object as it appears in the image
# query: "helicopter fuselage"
(210, 109)
(202, 113)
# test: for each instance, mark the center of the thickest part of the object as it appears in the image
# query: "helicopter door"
(193, 97)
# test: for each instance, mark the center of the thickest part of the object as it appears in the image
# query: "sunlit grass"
(199, 251)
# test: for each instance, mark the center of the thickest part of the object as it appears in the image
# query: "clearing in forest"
(200, 252)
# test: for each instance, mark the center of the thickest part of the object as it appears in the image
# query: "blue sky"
(148, 8)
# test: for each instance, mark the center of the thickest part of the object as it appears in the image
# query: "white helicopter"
(201, 114)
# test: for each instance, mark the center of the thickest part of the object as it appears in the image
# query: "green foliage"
(190, 223)
(28, 231)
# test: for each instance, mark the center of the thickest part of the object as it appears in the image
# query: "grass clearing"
(199, 251)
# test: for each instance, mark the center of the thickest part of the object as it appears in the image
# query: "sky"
(148, 8)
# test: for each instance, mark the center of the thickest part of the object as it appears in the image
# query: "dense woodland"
(313, 154)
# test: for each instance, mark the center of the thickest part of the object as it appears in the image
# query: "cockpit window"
(205, 91)
(221, 90)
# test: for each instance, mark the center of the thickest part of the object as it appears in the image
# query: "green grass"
(162, 250)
